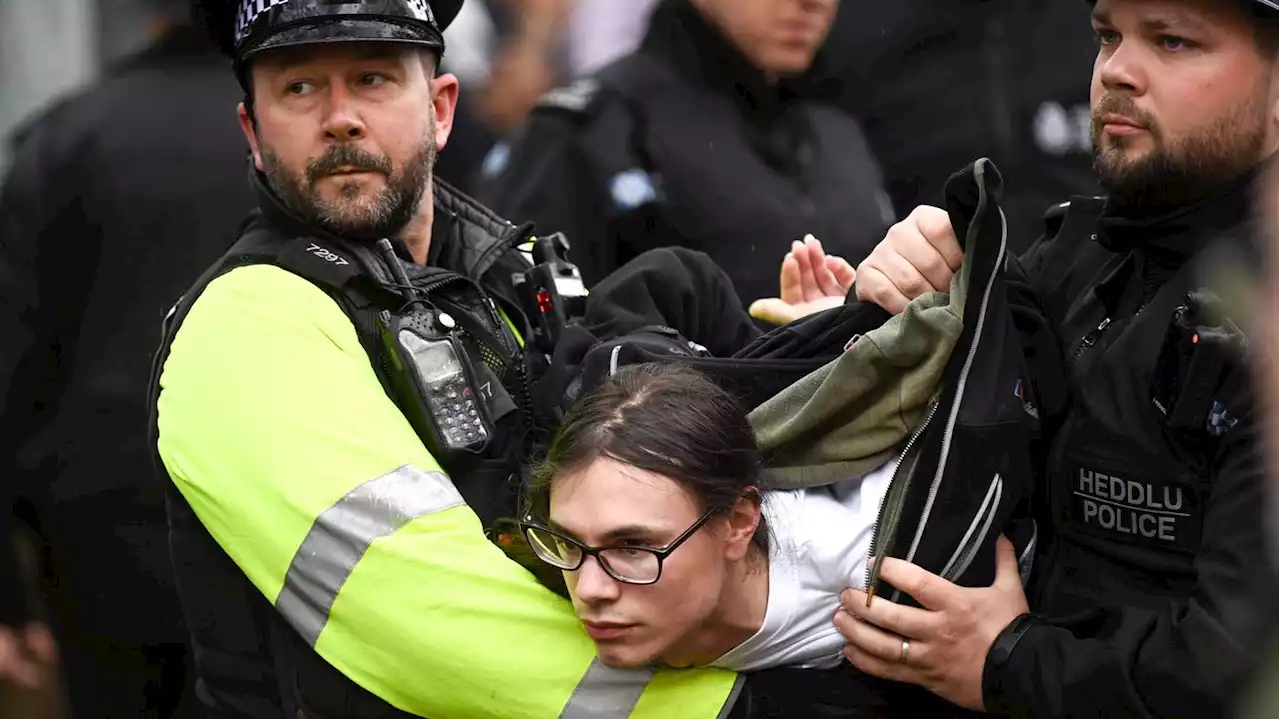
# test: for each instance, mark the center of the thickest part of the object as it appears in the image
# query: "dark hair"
(664, 418)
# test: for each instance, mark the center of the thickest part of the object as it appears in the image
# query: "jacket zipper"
(895, 496)
(890, 514)
(960, 387)
(1091, 338)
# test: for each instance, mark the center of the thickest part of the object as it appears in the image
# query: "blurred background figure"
(509, 53)
(1265, 694)
(115, 198)
(718, 134)
(601, 31)
(938, 83)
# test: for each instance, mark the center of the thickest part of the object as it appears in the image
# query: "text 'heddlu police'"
(1141, 509)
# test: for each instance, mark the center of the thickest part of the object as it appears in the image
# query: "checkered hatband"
(251, 10)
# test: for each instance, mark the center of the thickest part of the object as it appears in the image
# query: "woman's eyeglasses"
(625, 563)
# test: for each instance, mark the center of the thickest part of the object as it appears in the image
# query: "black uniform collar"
(678, 32)
(1180, 234)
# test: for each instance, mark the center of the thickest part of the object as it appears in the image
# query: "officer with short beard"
(1152, 588)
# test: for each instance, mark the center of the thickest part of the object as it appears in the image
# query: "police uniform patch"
(1220, 420)
(1133, 507)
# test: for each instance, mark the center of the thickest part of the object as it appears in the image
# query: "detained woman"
(649, 503)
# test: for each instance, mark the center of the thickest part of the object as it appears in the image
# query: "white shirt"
(819, 541)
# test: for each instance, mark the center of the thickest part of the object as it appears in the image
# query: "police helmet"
(244, 28)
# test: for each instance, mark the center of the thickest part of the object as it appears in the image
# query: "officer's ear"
(444, 99)
(249, 126)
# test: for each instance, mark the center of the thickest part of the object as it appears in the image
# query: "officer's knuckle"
(881, 291)
(899, 233)
(931, 264)
(923, 584)
(913, 285)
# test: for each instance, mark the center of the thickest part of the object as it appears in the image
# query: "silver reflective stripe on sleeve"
(606, 692)
(342, 534)
(733, 696)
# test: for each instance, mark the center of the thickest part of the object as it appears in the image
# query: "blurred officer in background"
(936, 83)
(716, 135)
(116, 199)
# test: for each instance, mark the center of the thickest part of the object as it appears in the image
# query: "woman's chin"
(619, 656)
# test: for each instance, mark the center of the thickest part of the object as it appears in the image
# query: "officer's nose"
(592, 584)
(342, 119)
(1122, 71)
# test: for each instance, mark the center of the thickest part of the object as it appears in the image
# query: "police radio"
(433, 374)
(552, 291)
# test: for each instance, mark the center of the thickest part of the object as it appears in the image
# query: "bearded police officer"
(342, 404)
(717, 134)
(1153, 590)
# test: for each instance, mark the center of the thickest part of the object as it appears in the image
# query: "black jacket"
(683, 143)
(1156, 580)
(936, 83)
(117, 197)
(967, 474)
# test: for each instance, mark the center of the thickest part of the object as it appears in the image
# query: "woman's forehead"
(607, 491)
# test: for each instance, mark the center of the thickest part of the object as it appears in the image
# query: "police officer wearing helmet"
(1153, 590)
(341, 404)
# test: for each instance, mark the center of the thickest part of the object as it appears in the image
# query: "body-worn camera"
(552, 291)
(1201, 343)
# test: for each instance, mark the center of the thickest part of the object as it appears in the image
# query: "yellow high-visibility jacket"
(275, 429)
